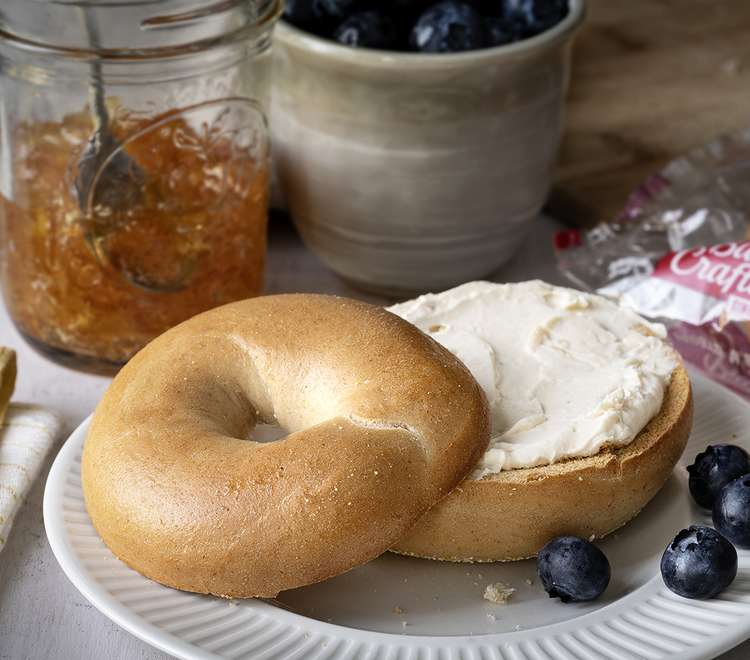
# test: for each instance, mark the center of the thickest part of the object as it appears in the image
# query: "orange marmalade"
(90, 282)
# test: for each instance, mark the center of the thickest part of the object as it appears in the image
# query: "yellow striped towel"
(26, 435)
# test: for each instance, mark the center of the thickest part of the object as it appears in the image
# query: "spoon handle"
(101, 116)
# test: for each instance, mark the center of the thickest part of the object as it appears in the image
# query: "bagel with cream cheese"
(383, 422)
(509, 507)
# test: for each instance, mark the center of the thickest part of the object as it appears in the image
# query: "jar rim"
(133, 29)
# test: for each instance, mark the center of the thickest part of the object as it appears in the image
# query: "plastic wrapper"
(679, 253)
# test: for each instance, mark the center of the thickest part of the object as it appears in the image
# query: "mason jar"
(134, 167)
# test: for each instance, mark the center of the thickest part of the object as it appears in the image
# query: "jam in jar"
(134, 184)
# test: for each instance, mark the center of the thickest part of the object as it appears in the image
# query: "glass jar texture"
(134, 167)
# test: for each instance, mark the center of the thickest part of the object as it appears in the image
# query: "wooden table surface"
(42, 615)
(651, 79)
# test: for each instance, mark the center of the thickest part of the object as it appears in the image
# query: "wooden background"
(651, 79)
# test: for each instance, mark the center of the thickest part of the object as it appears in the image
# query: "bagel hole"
(266, 433)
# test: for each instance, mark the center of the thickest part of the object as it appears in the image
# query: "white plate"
(401, 608)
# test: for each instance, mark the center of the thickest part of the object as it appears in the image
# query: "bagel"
(383, 422)
(510, 514)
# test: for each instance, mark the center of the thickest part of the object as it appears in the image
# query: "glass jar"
(134, 167)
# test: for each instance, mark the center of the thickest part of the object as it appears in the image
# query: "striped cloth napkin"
(27, 433)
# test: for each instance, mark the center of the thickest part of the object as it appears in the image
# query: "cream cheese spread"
(565, 372)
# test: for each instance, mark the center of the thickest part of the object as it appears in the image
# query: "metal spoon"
(106, 183)
(102, 149)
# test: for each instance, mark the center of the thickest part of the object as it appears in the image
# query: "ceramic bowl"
(409, 172)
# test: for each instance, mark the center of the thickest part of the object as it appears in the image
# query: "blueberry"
(401, 5)
(311, 15)
(340, 8)
(573, 569)
(367, 29)
(699, 563)
(500, 32)
(488, 7)
(714, 468)
(404, 14)
(448, 27)
(302, 12)
(731, 514)
(531, 17)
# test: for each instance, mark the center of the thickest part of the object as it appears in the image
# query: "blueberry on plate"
(367, 29)
(448, 27)
(713, 469)
(573, 569)
(699, 563)
(731, 514)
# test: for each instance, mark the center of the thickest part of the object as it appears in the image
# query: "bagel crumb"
(498, 593)
(398, 610)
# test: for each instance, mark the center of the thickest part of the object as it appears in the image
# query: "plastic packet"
(679, 253)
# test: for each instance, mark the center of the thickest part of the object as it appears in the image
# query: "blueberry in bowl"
(309, 15)
(449, 27)
(530, 17)
(699, 563)
(713, 469)
(426, 26)
(573, 569)
(731, 512)
(499, 32)
(367, 29)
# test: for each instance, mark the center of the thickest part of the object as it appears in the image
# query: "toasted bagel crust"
(383, 423)
(512, 514)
